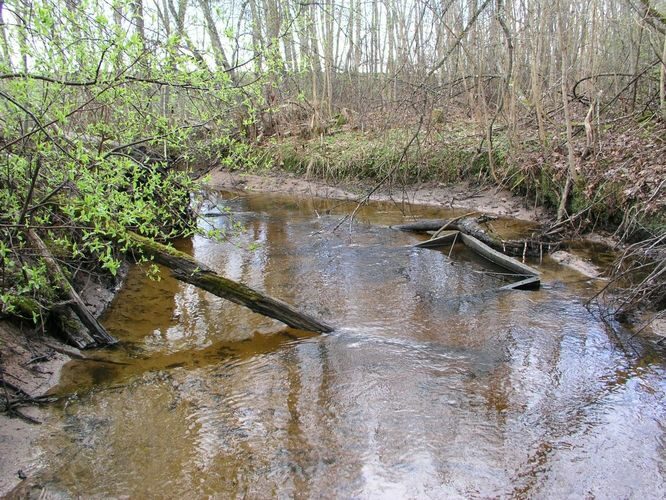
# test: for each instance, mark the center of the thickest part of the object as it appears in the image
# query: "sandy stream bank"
(460, 195)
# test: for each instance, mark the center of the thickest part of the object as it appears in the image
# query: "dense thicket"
(102, 104)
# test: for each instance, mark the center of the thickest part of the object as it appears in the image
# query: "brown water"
(428, 387)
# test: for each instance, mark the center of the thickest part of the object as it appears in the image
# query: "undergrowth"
(617, 182)
(352, 155)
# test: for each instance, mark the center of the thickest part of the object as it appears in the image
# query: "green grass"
(349, 156)
(445, 156)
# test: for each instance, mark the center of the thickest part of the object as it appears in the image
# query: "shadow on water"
(92, 375)
(431, 386)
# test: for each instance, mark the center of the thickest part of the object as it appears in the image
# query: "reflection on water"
(428, 387)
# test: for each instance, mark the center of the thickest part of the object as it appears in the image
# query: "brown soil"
(460, 195)
(32, 362)
(29, 362)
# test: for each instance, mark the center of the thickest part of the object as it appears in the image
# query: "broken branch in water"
(471, 233)
(471, 226)
(185, 268)
(97, 331)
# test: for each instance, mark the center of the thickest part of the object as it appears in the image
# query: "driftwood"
(531, 279)
(471, 227)
(531, 283)
(498, 258)
(68, 324)
(187, 269)
(444, 238)
(96, 330)
(81, 329)
(423, 225)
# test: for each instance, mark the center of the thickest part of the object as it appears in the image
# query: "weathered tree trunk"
(71, 328)
(423, 225)
(445, 238)
(531, 279)
(471, 227)
(187, 269)
(498, 258)
(97, 331)
(530, 283)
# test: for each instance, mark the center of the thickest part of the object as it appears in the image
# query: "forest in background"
(106, 105)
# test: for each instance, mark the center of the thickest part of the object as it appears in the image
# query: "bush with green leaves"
(99, 126)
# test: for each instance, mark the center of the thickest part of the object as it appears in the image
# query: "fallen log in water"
(445, 238)
(423, 225)
(472, 227)
(187, 269)
(531, 281)
(498, 258)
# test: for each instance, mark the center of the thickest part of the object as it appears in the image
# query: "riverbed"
(434, 384)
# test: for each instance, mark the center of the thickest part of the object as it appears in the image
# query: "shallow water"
(432, 385)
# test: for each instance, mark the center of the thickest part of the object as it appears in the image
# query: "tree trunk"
(257, 38)
(472, 227)
(137, 20)
(221, 60)
(187, 269)
(97, 331)
(662, 82)
(3, 39)
(571, 171)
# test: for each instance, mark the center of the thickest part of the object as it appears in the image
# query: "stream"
(433, 384)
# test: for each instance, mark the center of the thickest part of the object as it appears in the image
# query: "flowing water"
(433, 384)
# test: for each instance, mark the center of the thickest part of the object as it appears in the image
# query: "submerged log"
(471, 227)
(531, 283)
(498, 258)
(531, 280)
(445, 238)
(421, 226)
(185, 268)
(58, 278)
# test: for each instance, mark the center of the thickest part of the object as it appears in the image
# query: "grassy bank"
(620, 182)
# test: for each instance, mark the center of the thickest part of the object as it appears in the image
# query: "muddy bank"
(29, 362)
(460, 195)
(32, 362)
